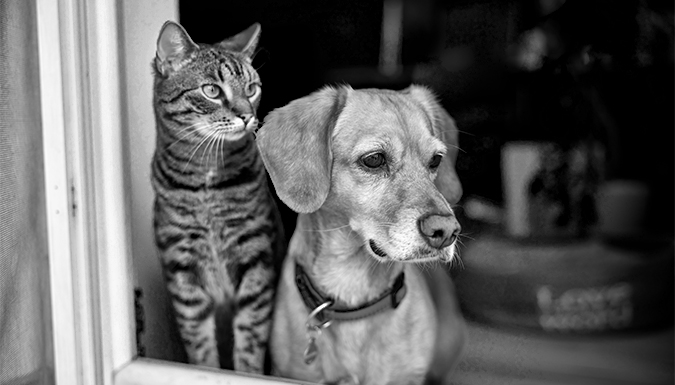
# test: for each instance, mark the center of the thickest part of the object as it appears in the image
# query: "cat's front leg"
(195, 315)
(252, 323)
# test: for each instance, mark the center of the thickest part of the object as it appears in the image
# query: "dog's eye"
(375, 160)
(211, 91)
(435, 161)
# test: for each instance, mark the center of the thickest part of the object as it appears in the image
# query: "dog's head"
(382, 159)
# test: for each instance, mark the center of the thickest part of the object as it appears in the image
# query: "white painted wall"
(141, 22)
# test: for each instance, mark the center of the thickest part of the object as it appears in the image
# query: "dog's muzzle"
(439, 231)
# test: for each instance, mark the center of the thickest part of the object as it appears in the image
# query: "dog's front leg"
(451, 335)
(289, 338)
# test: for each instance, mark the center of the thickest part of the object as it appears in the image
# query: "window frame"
(86, 177)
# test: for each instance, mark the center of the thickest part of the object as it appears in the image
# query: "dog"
(371, 174)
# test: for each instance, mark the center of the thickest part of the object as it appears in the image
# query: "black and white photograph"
(345, 192)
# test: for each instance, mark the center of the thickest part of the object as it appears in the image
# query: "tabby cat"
(216, 224)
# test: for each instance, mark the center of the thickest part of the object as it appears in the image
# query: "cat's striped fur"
(216, 224)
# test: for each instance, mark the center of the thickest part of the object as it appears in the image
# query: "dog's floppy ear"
(295, 145)
(445, 129)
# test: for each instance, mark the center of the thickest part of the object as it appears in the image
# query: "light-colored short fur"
(314, 150)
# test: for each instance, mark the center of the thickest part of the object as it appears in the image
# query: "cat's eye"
(435, 161)
(211, 91)
(375, 160)
(252, 89)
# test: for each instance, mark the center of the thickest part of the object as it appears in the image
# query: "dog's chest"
(385, 349)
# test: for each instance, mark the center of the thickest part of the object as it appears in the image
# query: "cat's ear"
(245, 41)
(174, 46)
(445, 129)
(295, 145)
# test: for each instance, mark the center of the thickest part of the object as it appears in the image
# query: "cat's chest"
(216, 191)
(210, 177)
(216, 208)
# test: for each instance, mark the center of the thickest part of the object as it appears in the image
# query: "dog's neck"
(335, 258)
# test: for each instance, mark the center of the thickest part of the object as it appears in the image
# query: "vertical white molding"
(78, 157)
(114, 252)
(65, 325)
(90, 259)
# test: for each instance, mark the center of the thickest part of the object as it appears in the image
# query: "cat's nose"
(250, 122)
(247, 118)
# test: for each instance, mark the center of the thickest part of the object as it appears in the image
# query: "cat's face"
(206, 92)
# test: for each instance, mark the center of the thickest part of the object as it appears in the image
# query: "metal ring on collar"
(315, 312)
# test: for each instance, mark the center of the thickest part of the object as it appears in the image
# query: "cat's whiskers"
(212, 134)
(188, 127)
(194, 152)
(222, 150)
(214, 149)
(209, 138)
(224, 127)
(255, 54)
(193, 129)
(219, 151)
(207, 150)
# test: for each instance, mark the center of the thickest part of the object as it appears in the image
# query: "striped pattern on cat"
(216, 225)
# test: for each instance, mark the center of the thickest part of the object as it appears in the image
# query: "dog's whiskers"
(457, 147)
(463, 235)
(373, 264)
(326, 230)
(386, 224)
(456, 257)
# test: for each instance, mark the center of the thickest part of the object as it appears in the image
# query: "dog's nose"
(439, 231)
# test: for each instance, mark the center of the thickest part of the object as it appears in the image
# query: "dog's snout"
(439, 231)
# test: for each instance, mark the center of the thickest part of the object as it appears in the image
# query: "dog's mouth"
(376, 250)
(419, 256)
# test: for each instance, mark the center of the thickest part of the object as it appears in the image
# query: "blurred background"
(566, 116)
(533, 70)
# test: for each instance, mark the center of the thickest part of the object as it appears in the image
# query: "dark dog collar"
(313, 298)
